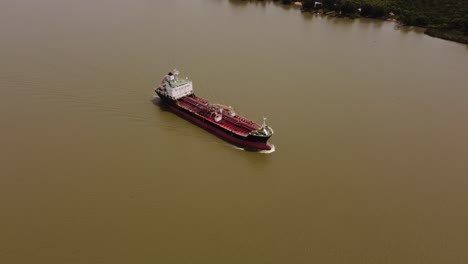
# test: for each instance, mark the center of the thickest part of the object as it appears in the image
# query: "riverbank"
(446, 34)
(445, 19)
(451, 35)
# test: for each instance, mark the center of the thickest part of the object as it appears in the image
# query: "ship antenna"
(264, 122)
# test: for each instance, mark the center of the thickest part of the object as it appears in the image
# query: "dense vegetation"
(449, 14)
(444, 18)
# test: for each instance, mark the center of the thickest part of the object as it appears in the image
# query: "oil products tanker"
(177, 93)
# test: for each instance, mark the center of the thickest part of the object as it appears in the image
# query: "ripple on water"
(258, 151)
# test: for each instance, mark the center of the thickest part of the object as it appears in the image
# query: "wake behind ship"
(221, 120)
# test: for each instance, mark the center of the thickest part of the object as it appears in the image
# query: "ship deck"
(235, 124)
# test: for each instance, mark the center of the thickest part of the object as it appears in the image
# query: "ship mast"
(176, 74)
(264, 122)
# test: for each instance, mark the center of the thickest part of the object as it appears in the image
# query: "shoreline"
(441, 31)
(450, 35)
(445, 34)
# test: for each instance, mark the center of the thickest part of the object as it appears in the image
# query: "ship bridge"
(177, 88)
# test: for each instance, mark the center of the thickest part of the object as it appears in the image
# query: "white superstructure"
(180, 89)
(176, 88)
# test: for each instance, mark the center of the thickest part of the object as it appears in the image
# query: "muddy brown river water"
(371, 137)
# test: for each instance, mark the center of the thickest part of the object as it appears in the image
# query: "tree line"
(440, 14)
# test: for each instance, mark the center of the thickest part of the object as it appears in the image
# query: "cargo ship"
(177, 94)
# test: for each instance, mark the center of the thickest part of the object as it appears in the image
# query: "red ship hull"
(231, 134)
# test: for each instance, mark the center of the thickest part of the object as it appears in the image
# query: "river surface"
(371, 137)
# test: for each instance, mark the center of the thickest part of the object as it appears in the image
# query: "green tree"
(348, 8)
(378, 11)
(329, 4)
(367, 10)
(421, 20)
(308, 5)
